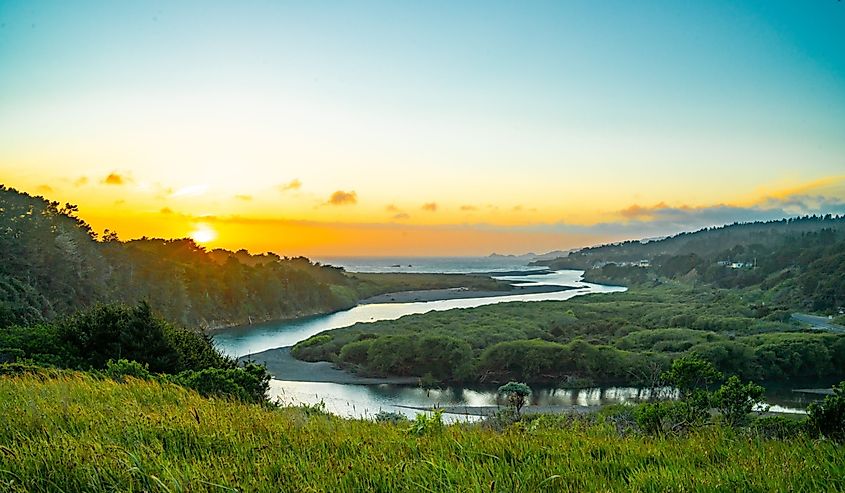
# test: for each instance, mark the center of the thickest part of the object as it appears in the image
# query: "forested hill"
(799, 262)
(52, 263)
(705, 242)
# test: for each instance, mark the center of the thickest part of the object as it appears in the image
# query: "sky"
(427, 128)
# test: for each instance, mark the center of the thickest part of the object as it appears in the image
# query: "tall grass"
(70, 432)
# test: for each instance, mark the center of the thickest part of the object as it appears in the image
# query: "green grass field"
(71, 432)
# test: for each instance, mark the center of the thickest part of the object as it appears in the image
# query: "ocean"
(448, 265)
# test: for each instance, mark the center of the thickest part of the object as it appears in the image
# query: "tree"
(516, 394)
(736, 400)
(690, 373)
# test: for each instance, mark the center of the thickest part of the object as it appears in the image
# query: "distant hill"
(799, 262)
(531, 256)
(704, 242)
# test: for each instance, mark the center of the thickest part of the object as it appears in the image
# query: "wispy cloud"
(401, 216)
(469, 208)
(343, 198)
(44, 189)
(294, 184)
(82, 180)
(430, 207)
(245, 198)
(391, 208)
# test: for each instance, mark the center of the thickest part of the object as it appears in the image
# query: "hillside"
(704, 242)
(52, 263)
(799, 263)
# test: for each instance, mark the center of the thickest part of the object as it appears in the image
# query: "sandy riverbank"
(283, 366)
(458, 293)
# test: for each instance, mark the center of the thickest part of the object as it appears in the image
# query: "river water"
(352, 400)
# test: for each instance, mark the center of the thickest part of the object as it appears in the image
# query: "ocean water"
(448, 265)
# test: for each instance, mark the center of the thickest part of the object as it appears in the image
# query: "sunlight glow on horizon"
(383, 128)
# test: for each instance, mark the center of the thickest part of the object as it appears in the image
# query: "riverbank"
(487, 411)
(458, 294)
(283, 366)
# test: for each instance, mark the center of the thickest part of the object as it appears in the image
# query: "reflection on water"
(240, 341)
(361, 401)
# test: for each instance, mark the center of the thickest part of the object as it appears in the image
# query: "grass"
(71, 432)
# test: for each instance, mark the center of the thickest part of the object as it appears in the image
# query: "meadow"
(63, 431)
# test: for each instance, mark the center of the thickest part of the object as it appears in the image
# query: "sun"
(203, 234)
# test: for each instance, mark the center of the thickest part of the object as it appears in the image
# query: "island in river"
(459, 293)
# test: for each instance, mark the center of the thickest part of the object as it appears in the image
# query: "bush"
(120, 369)
(17, 369)
(11, 355)
(427, 424)
(90, 338)
(516, 393)
(657, 418)
(827, 418)
(736, 400)
(248, 383)
(779, 427)
(691, 373)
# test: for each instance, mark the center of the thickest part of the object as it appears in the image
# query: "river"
(353, 400)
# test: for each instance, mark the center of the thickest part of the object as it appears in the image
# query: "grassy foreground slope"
(71, 432)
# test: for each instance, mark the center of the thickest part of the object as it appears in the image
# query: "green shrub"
(736, 400)
(120, 369)
(248, 383)
(355, 353)
(827, 418)
(779, 427)
(90, 338)
(655, 418)
(424, 424)
(11, 355)
(691, 373)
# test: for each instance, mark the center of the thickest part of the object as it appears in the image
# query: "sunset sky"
(392, 128)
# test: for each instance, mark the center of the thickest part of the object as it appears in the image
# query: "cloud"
(401, 215)
(166, 210)
(82, 180)
(517, 208)
(343, 198)
(115, 178)
(391, 208)
(44, 189)
(294, 184)
(469, 208)
(245, 198)
(430, 207)
(636, 211)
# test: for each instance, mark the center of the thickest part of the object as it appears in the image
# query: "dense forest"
(799, 262)
(52, 263)
(620, 338)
